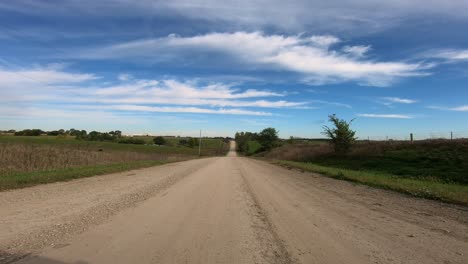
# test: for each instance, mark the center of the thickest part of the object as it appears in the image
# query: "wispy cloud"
(46, 85)
(452, 55)
(389, 101)
(310, 56)
(336, 15)
(462, 108)
(397, 116)
(358, 51)
(49, 75)
(166, 109)
(331, 103)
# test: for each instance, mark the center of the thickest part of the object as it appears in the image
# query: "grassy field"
(441, 161)
(26, 161)
(210, 147)
(26, 179)
(455, 193)
(436, 169)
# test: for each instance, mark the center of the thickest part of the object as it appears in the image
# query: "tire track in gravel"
(51, 235)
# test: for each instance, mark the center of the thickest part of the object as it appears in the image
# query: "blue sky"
(174, 67)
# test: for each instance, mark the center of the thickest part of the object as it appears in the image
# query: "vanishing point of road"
(225, 210)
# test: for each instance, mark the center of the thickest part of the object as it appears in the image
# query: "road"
(225, 210)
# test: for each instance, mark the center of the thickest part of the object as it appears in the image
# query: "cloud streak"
(312, 57)
(462, 108)
(334, 15)
(46, 86)
(392, 116)
(452, 55)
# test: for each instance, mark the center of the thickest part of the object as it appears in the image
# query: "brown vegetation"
(16, 157)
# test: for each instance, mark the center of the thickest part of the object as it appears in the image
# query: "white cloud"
(40, 76)
(397, 100)
(173, 92)
(325, 40)
(358, 51)
(332, 15)
(180, 109)
(307, 56)
(462, 108)
(449, 54)
(169, 95)
(124, 77)
(397, 116)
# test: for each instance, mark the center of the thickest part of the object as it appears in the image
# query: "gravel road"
(225, 210)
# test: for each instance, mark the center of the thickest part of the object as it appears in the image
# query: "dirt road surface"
(225, 210)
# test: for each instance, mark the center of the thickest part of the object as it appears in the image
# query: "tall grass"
(15, 157)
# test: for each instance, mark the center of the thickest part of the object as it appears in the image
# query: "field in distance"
(30, 160)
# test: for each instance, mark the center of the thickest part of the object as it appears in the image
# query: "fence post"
(411, 137)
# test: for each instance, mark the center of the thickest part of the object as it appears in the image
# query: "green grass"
(210, 147)
(448, 192)
(21, 180)
(253, 147)
(444, 163)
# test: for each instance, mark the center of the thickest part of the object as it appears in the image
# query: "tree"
(159, 141)
(341, 135)
(267, 138)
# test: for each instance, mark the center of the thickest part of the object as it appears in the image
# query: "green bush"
(130, 140)
(159, 141)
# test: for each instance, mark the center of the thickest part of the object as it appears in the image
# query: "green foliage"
(56, 132)
(253, 147)
(78, 134)
(189, 142)
(131, 140)
(443, 162)
(341, 135)
(268, 137)
(99, 136)
(242, 139)
(250, 143)
(29, 132)
(159, 140)
(455, 193)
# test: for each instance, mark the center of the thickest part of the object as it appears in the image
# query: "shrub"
(159, 141)
(341, 135)
(130, 140)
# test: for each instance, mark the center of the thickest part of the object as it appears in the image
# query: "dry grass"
(299, 152)
(16, 157)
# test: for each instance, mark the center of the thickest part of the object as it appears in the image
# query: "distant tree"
(29, 132)
(341, 135)
(183, 142)
(56, 132)
(291, 140)
(159, 140)
(268, 137)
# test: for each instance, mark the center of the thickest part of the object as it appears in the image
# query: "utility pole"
(411, 137)
(451, 135)
(199, 145)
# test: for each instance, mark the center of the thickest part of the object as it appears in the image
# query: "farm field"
(29, 160)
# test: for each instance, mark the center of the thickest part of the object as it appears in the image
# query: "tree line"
(339, 134)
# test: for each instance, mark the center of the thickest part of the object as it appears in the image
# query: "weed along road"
(225, 210)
